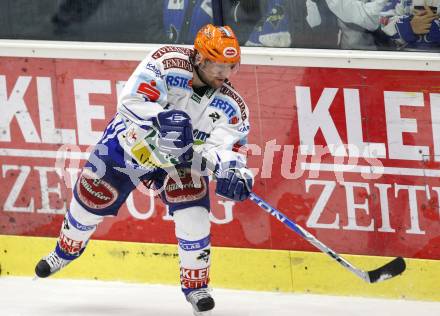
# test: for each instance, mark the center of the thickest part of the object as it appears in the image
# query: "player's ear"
(198, 58)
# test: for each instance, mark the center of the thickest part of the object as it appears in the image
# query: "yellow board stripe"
(236, 268)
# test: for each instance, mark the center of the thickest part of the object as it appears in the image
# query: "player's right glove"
(175, 134)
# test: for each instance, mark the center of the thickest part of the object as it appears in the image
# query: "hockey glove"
(234, 182)
(175, 134)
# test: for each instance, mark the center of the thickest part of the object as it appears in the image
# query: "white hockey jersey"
(163, 81)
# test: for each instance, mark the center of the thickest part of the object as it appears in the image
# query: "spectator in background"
(108, 21)
(169, 21)
(412, 24)
(243, 15)
(282, 23)
(182, 19)
(358, 22)
(273, 28)
(73, 11)
(347, 24)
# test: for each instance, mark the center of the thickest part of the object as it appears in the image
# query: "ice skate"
(201, 301)
(50, 264)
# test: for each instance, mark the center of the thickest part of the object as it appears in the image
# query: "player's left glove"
(234, 182)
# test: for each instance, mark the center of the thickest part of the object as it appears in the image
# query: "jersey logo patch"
(192, 186)
(179, 81)
(169, 49)
(233, 120)
(230, 93)
(70, 246)
(214, 116)
(229, 52)
(204, 255)
(149, 91)
(200, 136)
(94, 192)
(177, 63)
(177, 118)
(224, 106)
(194, 278)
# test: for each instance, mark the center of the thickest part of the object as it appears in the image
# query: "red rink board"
(391, 119)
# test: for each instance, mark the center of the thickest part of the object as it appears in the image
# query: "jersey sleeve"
(366, 15)
(145, 93)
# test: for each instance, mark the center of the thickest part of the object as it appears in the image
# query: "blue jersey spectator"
(412, 24)
(182, 19)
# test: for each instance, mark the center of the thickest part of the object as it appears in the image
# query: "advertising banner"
(352, 155)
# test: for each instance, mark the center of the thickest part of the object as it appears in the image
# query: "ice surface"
(49, 297)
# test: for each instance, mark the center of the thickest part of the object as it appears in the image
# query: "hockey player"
(177, 101)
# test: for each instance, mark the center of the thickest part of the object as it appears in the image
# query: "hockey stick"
(385, 272)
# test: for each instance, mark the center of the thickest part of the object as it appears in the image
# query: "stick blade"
(388, 271)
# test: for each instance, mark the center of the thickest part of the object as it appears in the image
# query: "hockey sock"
(193, 236)
(76, 230)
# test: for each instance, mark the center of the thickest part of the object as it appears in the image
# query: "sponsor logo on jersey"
(199, 135)
(244, 128)
(194, 245)
(69, 219)
(149, 91)
(154, 69)
(177, 118)
(210, 92)
(131, 136)
(196, 97)
(174, 80)
(204, 255)
(224, 106)
(94, 192)
(233, 120)
(230, 93)
(147, 157)
(171, 49)
(194, 278)
(230, 52)
(192, 186)
(214, 116)
(70, 246)
(177, 63)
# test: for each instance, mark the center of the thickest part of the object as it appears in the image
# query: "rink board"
(366, 180)
(250, 269)
(353, 155)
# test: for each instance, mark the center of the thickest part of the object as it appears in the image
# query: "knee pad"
(192, 223)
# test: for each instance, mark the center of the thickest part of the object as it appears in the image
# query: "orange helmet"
(218, 44)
